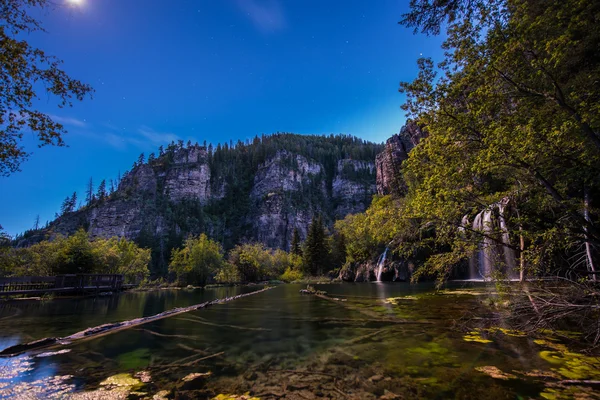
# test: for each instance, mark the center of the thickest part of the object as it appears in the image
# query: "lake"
(362, 341)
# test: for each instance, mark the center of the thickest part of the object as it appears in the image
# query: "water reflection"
(395, 338)
(32, 320)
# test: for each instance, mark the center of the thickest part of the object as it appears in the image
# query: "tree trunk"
(521, 257)
(588, 246)
(521, 247)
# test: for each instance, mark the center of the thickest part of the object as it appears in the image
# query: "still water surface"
(365, 341)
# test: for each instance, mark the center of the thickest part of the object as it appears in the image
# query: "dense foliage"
(197, 261)
(77, 254)
(201, 260)
(513, 118)
(255, 262)
(368, 233)
(22, 69)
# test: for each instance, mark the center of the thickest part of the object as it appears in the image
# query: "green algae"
(570, 365)
(505, 331)
(571, 392)
(470, 292)
(245, 396)
(553, 357)
(119, 386)
(427, 381)
(135, 359)
(475, 336)
(430, 354)
(122, 380)
(395, 300)
(380, 309)
(431, 348)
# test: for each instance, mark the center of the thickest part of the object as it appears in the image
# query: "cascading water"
(473, 267)
(380, 264)
(509, 253)
(492, 252)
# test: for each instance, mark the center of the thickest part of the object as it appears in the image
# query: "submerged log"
(311, 290)
(106, 329)
(23, 347)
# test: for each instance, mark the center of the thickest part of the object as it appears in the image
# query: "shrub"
(291, 275)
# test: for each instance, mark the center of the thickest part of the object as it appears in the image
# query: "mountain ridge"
(260, 190)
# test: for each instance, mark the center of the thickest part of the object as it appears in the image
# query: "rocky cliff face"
(287, 192)
(388, 162)
(389, 181)
(352, 187)
(189, 191)
(289, 189)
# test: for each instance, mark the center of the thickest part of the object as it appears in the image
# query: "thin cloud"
(115, 141)
(157, 138)
(144, 138)
(68, 121)
(266, 15)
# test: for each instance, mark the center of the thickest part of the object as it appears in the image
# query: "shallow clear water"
(25, 320)
(364, 341)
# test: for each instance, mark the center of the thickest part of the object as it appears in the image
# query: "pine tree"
(66, 208)
(36, 223)
(338, 250)
(316, 249)
(151, 158)
(90, 192)
(74, 201)
(112, 187)
(140, 160)
(101, 194)
(296, 244)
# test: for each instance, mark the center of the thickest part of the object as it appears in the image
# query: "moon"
(75, 2)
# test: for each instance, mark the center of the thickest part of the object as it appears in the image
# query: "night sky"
(210, 70)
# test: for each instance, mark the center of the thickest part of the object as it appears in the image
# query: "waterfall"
(473, 261)
(487, 258)
(509, 253)
(491, 252)
(380, 264)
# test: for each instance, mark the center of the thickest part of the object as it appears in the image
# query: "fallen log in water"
(114, 327)
(21, 348)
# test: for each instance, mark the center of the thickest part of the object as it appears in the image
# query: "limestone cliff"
(388, 162)
(256, 191)
(389, 181)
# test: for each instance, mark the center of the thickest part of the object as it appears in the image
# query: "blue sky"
(210, 70)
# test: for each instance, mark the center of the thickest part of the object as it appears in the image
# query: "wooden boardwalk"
(75, 283)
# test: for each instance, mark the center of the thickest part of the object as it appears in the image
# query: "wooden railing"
(60, 284)
(27, 283)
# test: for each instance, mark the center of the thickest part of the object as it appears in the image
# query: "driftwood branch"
(291, 371)
(115, 327)
(579, 382)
